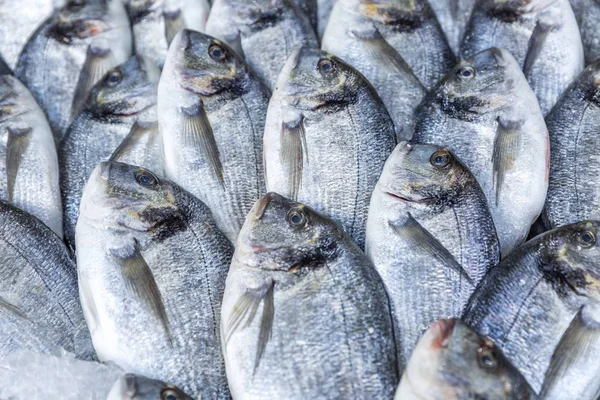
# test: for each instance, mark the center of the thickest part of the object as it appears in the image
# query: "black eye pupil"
(145, 179)
(216, 53)
(466, 73)
(114, 78)
(586, 238)
(171, 397)
(439, 160)
(296, 219)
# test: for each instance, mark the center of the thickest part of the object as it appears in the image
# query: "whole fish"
(212, 111)
(541, 34)
(305, 314)
(156, 22)
(453, 16)
(538, 295)
(142, 146)
(327, 138)
(587, 13)
(430, 236)
(19, 22)
(265, 32)
(134, 387)
(123, 95)
(453, 362)
(152, 267)
(323, 11)
(39, 305)
(30, 169)
(485, 112)
(366, 43)
(54, 56)
(573, 193)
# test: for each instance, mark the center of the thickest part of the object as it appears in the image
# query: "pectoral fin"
(414, 234)
(174, 22)
(506, 147)
(293, 154)
(17, 144)
(97, 62)
(12, 309)
(536, 43)
(138, 131)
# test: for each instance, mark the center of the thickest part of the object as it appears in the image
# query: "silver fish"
(587, 13)
(430, 236)
(134, 387)
(265, 32)
(485, 112)
(39, 305)
(453, 16)
(152, 267)
(541, 34)
(305, 315)
(30, 169)
(125, 94)
(327, 137)
(453, 362)
(212, 111)
(528, 302)
(573, 193)
(53, 58)
(324, 8)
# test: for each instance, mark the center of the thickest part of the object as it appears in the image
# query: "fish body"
(134, 387)
(541, 34)
(327, 138)
(300, 290)
(323, 11)
(212, 111)
(152, 267)
(54, 56)
(453, 362)
(573, 193)
(535, 295)
(39, 305)
(125, 94)
(309, 7)
(264, 32)
(430, 236)
(587, 13)
(453, 16)
(485, 112)
(30, 168)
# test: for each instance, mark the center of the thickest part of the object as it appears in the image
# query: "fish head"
(204, 65)
(511, 10)
(258, 14)
(314, 80)
(398, 15)
(125, 90)
(282, 235)
(129, 197)
(134, 387)
(452, 360)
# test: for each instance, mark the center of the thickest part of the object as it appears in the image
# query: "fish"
(152, 267)
(52, 59)
(535, 293)
(29, 167)
(453, 16)
(302, 300)
(587, 13)
(573, 123)
(39, 302)
(453, 362)
(264, 32)
(486, 114)
(367, 45)
(326, 138)
(156, 22)
(541, 34)
(124, 95)
(324, 8)
(18, 23)
(431, 237)
(212, 109)
(134, 387)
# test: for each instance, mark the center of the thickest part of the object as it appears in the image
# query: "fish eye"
(75, 5)
(113, 78)
(326, 66)
(169, 394)
(146, 179)
(440, 159)
(487, 358)
(586, 238)
(216, 52)
(466, 73)
(296, 218)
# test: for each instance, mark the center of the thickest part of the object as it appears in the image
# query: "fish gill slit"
(503, 338)
(460, 241)
(576, 178)
(358, 171)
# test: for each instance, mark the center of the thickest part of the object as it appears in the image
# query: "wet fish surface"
(30, 169)
(134, 387)
(124, 94)
(264, 32)
(212, 111)
(453, 16)
(300, 290)
(148, 254)
(430, 236)
(487, 115)
(535, 295)
(327, 138)
(324, 8)
(54, 56)
(541, 34)
(573, 193)
(587, 13)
